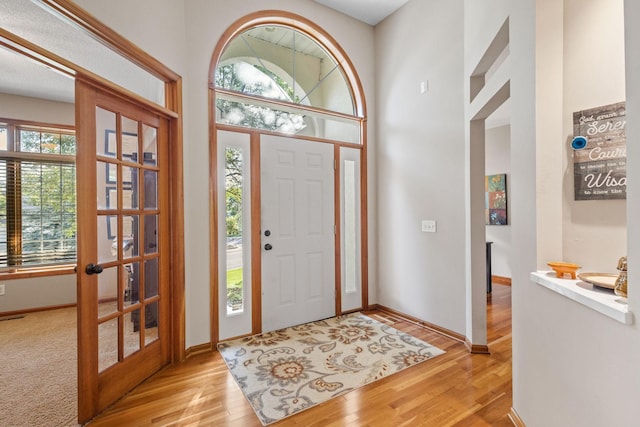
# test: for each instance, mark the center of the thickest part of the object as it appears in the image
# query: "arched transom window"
(276, 78)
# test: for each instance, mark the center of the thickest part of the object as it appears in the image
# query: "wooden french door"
(123, 229)
(298, 231)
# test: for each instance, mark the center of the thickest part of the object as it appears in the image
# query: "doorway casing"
(283, 18)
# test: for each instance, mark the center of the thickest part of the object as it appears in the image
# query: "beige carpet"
(38, 369)
(284, 372)
(39, 365)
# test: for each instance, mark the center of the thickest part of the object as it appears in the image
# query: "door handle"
(268, 247)
(93, 269)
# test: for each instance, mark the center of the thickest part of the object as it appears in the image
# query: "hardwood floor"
(455, 389)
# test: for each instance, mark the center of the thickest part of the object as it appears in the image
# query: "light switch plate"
(428, 226)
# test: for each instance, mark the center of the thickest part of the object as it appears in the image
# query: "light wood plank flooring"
(455, 389)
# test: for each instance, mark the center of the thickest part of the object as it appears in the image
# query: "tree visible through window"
(234, 189)
(257, 80)
(37, 197)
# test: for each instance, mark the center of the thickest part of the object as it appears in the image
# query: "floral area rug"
(286, 371)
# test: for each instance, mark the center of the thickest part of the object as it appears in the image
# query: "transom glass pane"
(281, 63)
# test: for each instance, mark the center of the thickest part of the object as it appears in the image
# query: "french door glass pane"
(130, 233)
(150, 234)
(108, 291)
(129, 140)
(130, 194)
(106, 141)
(150, 190)
(107, 195)
(107, 344)
(149, 145)
(130, 278)
(107, 235)
(150, 278)
(151, 331)
(131, 333)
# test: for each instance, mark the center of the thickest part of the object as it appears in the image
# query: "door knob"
(93, 269)
(268, 247)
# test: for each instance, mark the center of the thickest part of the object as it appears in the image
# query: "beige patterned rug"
(290, 370)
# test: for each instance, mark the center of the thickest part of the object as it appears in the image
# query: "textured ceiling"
(36, 22)
(25, 77)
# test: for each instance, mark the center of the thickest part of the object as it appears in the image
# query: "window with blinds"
(37, 196)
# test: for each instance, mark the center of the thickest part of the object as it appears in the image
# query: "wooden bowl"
(564, 269)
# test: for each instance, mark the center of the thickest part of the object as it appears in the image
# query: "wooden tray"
(603, 280)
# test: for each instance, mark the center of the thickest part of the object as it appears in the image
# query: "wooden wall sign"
(600, 153)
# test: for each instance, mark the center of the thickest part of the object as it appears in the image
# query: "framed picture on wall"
(495, 199)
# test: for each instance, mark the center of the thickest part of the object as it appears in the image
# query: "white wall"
(37, 110)
(160, 28)
(571, 365)
(421, 161)
(497, 161)
(594, 231)
(37, 292)
(157, 26)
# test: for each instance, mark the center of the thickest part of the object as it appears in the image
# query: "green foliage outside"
(234, 287)
(255, 116)
(233, 191)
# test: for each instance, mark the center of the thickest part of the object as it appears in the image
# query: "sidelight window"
(234, 195)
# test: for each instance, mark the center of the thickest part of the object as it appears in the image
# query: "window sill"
(601, 300)
(26, 273)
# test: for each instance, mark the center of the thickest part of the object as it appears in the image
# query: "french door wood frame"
(172, 109)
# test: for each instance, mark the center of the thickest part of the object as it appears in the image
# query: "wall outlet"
(2, 289)
(428, 226)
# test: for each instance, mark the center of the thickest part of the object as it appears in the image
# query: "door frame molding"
(256, 221)
(308, 27)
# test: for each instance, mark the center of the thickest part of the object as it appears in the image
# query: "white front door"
(297, 231)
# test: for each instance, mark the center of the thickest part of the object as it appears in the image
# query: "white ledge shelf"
(601, 300)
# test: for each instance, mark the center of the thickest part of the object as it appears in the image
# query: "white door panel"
(297, 194)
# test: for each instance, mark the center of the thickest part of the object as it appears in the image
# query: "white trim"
(600, 300)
